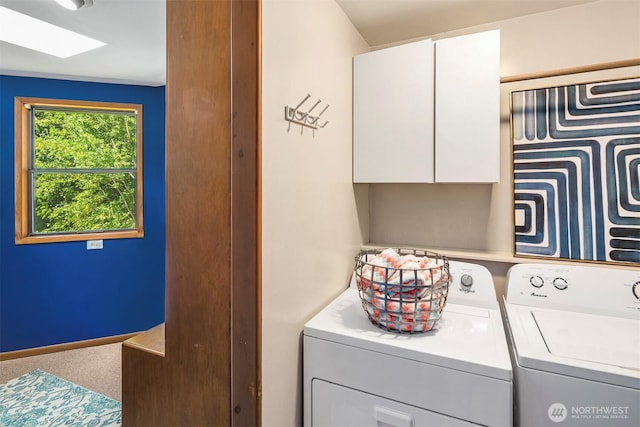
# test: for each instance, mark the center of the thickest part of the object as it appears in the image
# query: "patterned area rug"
(41, 399)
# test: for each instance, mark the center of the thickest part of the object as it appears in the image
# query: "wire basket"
(402, 290)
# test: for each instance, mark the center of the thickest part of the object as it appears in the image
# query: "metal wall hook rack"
(305, 118)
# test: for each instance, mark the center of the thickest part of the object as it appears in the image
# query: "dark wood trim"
(145, 388)
(151, 341)
(198, 230)
(572, 70)
(209, 374)
(245, 360)
(258, 320)
(259, 291)
(8, 355)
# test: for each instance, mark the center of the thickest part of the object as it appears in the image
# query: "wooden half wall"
(204, 369)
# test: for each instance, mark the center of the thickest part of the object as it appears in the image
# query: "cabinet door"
(467, 99)
(393, 114)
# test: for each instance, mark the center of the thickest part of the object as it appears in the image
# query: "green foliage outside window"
(83, 171)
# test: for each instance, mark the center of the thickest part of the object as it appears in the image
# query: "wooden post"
(209, 373)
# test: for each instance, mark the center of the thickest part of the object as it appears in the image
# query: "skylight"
(26, 31)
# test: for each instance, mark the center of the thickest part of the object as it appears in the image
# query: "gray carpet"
(96, 368)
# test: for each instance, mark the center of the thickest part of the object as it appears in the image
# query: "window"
(78, 170)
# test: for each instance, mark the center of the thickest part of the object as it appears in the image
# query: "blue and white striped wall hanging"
(576, 171)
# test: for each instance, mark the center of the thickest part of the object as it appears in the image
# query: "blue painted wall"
(60, 292)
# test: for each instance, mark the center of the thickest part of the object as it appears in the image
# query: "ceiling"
(390, 21)
(134, 31)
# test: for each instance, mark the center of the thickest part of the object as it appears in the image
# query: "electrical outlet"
(94, 244)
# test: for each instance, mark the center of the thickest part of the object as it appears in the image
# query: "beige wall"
(311, 230)
(479, 217)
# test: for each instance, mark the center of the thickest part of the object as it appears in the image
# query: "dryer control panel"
(472, 285)
(588, 289)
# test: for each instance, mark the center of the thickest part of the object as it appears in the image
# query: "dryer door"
(335, 405)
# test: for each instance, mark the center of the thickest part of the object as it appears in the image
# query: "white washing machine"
(459, 374)
(575, 334)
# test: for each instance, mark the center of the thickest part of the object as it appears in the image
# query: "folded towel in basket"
(403, 293)
(406, 276)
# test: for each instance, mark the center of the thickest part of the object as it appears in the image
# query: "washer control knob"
(636, 290)
(560, 283)
(466, 280)
(536, 281)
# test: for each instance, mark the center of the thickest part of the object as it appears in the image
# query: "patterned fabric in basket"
(402, 290)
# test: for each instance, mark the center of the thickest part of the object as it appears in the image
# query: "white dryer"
(459, 374)
(575, 334)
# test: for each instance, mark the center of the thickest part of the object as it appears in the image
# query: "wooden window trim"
(21, 110)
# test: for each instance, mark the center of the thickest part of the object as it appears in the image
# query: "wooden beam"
(245, 101)
(209, 372)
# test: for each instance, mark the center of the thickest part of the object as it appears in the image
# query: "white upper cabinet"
(407, 131)
(467, 127)
(393, 114)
